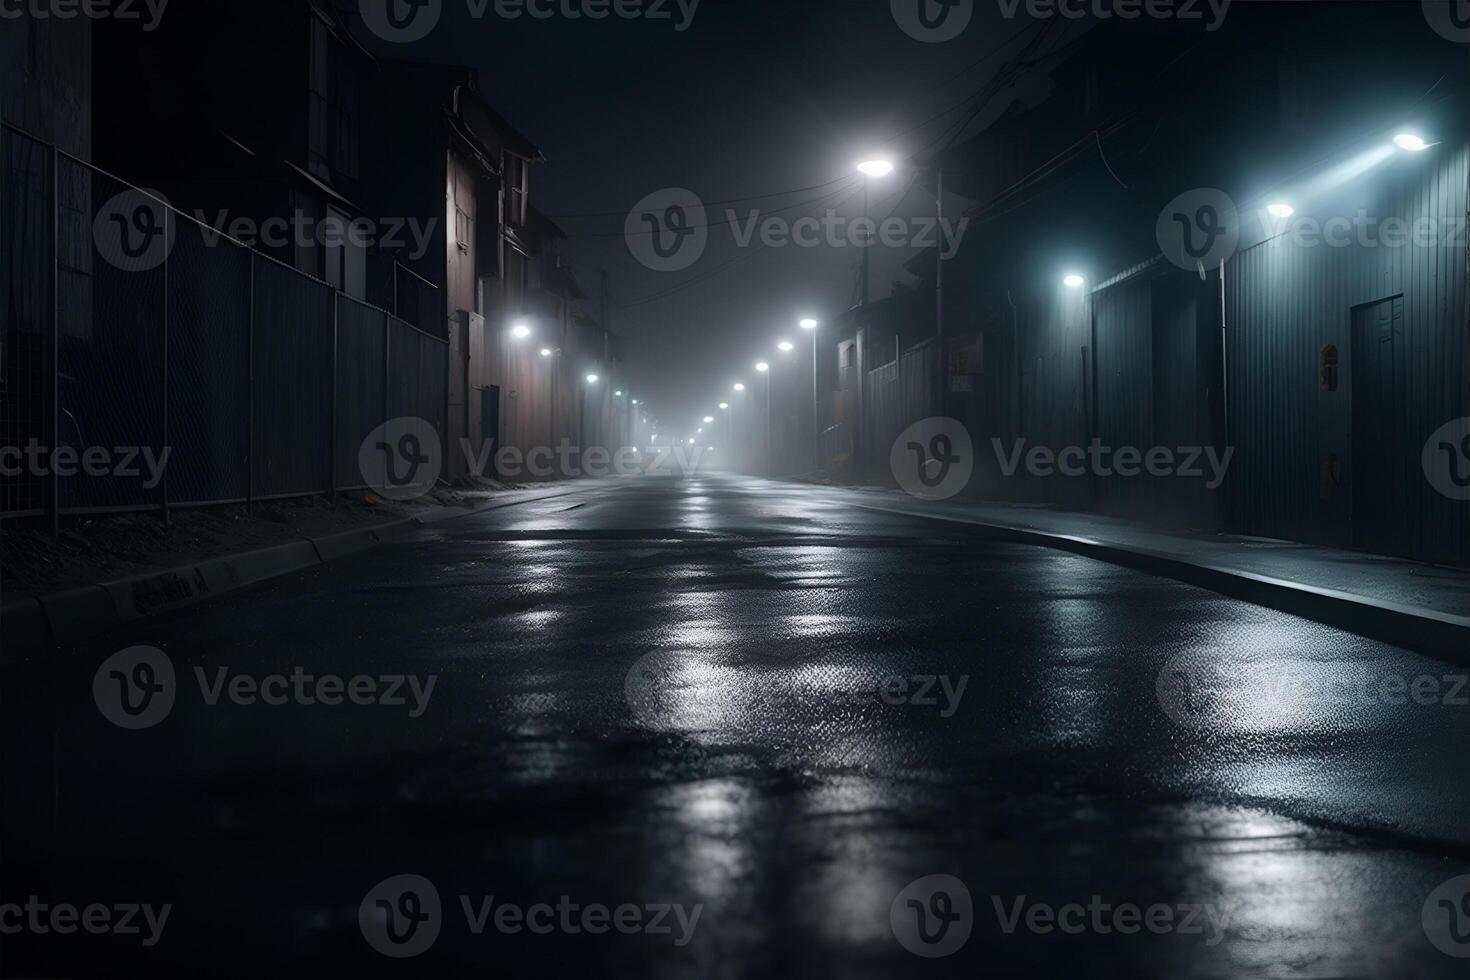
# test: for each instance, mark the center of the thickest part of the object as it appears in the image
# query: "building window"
(515, 190)
(333, 126)
(464, 229)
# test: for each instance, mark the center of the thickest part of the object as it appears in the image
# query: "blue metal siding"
(1285, 300)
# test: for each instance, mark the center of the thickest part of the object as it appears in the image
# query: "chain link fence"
(148, 362)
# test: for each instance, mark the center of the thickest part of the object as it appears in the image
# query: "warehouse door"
(1382, 460)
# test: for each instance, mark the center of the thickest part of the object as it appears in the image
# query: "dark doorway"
(1379, 480)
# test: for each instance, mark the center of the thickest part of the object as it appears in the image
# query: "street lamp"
(784, 346)
(582, 423)
(708, 419)
(739, 386)
(808, 323)
(520, 331)
(725, 405)
(1412, 142)
(1072, 280)
(871, 169)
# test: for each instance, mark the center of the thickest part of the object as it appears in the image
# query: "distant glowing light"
(1411, 142)
(1073, 280)
(875, 168)
(592, 379)
(724, 404)
(708, 419)
(1280, 210)
(618, 394)
(739, 386)
(762, 366)
(691, 440)
(785, 345)
(521, 331)
(546, 352)
(808, 324)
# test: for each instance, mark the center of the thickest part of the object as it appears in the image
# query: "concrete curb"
(34, 623)
(1428, 631)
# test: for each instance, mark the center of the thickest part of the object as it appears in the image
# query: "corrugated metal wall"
(1285, 301)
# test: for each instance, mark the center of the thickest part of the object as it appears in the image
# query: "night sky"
(757, 96)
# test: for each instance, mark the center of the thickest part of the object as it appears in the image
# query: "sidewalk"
(35, 620)
(1421, 607)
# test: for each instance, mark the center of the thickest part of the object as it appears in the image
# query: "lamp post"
(809, 324)
(582, 425)
(765, 369)
(738, 387)
(871, 169)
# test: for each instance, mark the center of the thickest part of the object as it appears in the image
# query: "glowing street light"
(1280, 210)
(724, 405)
(739, 386)
(699, 431)
(691, 440)
(520, 331)
(762, 366)
(1073, 280)
(635, 401)
(808, 324)
(1411, 142)
(872, 169)
(546, 352)
(785, 346)
(618, 393)
(708, 419)
(592, 379)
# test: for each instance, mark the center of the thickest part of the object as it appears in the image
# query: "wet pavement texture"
(749, 722)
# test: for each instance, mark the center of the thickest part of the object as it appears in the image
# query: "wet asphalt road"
(755, 703)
